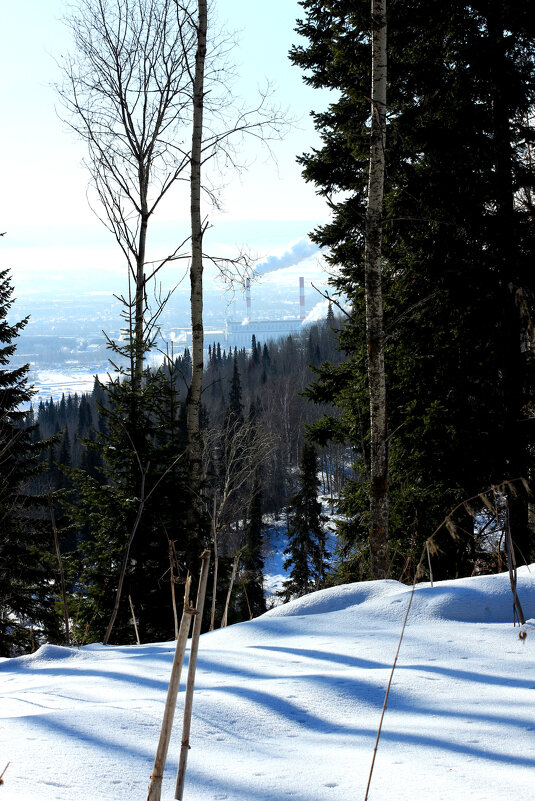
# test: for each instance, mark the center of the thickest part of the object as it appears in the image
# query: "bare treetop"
(127, 93)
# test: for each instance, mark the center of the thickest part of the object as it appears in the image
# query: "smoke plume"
(300, 251)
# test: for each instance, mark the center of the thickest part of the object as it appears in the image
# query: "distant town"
(66, 338)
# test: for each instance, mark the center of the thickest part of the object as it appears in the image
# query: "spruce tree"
(306, 549)
(235, 405)
(27, 591)
(252, 560)
(143, 462)
(458, 254)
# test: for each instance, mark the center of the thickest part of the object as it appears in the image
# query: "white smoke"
(298, 253)
(319, 312)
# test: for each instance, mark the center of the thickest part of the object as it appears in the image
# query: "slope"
(287, 705)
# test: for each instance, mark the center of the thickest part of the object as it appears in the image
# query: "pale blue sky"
(52, 235)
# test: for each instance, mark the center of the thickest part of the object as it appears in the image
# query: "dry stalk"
(190, 686)
(430, 544)
(2, 774)
(134, 619)
(155, 785)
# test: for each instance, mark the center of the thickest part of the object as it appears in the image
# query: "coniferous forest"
(107, 499)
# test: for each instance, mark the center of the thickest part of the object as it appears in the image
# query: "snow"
(287, 705)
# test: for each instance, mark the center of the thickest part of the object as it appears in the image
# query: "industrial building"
(240, 334)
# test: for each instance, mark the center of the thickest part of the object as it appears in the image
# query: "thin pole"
(216, 563)
(173, 594)
(155, 785)
(134, 619)
(61, 572)
(429, 562)
(188, 703)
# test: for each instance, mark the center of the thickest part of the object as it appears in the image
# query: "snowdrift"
(287, 705)
(484, 599)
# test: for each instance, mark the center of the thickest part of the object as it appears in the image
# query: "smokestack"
(302, 298)
(248, 297)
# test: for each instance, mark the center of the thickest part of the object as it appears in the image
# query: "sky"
(287, 706)
(54, 242)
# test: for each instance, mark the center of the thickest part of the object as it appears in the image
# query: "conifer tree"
(252, 560)
(130, 508)
(235, 405)
(27, 594)
(306, 549)
(458, 253)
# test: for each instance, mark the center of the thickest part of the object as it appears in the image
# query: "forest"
(410, 408)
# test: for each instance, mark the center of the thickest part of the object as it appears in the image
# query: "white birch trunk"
(374, 300)
(196, 275)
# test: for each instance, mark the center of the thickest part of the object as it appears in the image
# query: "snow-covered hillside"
(287, 706)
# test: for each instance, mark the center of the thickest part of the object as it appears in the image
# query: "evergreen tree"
(27, 591)
(330, 315)
(458, 253)
(143, 474)
(252, 560)
(235, 405)
(306, 549)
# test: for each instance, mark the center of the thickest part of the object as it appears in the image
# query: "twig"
(388, 690)
(331, 300)
(134, 619)
(429, 563)
(8, 764)
(498, 488)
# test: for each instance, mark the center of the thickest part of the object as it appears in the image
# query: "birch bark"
(196, 276)
(378, 529)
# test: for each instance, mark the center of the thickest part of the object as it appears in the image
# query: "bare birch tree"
(127, 94)
(378, 530)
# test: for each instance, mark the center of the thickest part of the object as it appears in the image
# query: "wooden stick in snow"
(173, 595)
(2, 774)
(235, 563)
(155, 786)
(61, 572)
(188, 703)
(134, 619)
(429, 562)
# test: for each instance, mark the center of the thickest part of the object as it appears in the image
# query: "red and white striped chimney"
(248, 297)
(302, 298)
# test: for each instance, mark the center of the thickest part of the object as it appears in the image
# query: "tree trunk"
(514, 437)
(61, 572)
(193, 405)
(216, 566)
(374, 301)
(138, 345)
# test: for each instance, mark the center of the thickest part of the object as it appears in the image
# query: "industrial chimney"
(302, 314)
(248, 297)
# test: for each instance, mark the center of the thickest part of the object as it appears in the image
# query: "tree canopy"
(458, 251)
